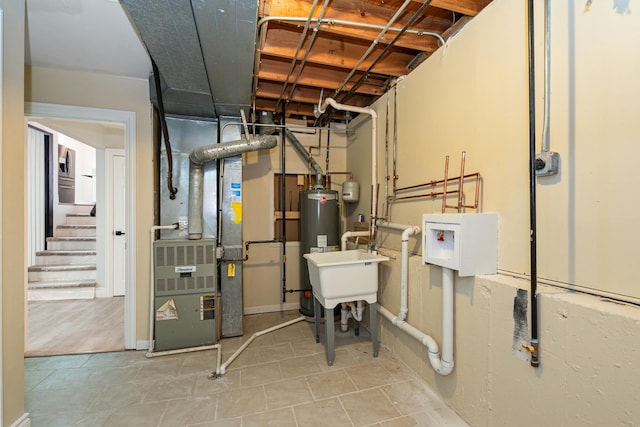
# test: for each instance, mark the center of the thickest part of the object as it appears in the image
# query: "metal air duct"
(204, 52)
(199, 156)
(305, 155)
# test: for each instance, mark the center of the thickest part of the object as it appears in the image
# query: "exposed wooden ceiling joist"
(340, 41)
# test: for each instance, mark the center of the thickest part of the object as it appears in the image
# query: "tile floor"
(281, 379)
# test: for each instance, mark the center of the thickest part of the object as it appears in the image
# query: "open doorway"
(75, 288)
(111, 188)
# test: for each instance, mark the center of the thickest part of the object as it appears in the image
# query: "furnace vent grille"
(184, 267)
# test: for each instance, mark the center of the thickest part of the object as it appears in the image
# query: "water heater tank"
(319, 232)
(351, 191)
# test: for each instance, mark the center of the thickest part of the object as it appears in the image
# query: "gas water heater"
(319, 232)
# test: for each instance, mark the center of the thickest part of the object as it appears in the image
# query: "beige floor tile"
(276, 418)
(199, 363)
(73, 377)
(307, 346)
(287, 393)
(323, 413)
(155, 369)
(243, 401)
(248, 357)
(330, 384)
(208, 385)
(369, 406)
(411, 396)
(58, 362)
(344, 357)
(146, 415)
(369, 375)
(415, 420)
(120, 395)
(40, 402)
(116, 359)
(260, 374)
(398, 370)
(300, 366)
(33, 377)
(71, 418)
(189, 411)
(231, 422)
(171, 388)
(275, 353)
(273, 382)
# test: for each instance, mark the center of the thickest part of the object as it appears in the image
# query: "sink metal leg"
(316, 316)
(373, 327)
(328, 320)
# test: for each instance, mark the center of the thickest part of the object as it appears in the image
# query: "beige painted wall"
(472, 96)
(13, 211)
(262, 272)
(87, 89)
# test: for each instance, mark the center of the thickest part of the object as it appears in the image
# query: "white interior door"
(36, 194)
(118, 169)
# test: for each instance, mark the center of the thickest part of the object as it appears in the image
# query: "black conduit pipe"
(535, 356)
(165, 131)
(283, 202)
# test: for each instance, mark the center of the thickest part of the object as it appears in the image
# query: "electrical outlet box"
(547, 163)
(467, 243)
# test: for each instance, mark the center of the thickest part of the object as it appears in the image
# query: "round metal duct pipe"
(199, 156)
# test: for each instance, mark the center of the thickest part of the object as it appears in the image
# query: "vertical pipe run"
(464, 155)
(444, 188)
(395, 137)
(283, 201)
(447, 315)
(535, 361)
(547, 76)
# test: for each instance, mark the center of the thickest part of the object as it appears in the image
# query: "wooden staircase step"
(80, 219)
(57, 284)
(58, 257)
(75, 231)
(57, 290)
(41, 273)
(71, 243)
(65, 252)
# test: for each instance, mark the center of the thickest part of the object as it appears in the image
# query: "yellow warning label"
(231, 270)
(236, 208)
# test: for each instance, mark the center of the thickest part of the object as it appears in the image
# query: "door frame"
(1, 142)
(128, 119)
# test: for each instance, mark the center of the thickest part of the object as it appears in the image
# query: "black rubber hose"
(165, 131)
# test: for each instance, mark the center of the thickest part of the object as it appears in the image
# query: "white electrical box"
(467, 243)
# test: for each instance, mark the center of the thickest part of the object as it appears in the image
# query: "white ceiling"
(92, 35)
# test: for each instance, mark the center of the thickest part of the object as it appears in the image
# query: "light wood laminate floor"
(75, 326)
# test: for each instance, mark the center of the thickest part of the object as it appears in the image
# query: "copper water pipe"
(464, 155)
(434, 183)
(444, 189)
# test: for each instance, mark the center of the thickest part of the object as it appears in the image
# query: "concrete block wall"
(589, 350)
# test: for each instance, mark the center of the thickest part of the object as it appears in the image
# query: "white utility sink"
(344, 276)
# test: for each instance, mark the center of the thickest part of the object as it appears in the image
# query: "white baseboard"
(142, 345)
(272, 308)
(23, 421)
